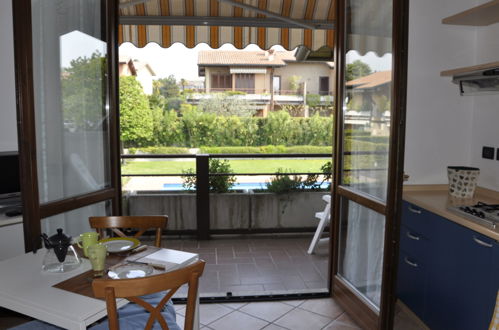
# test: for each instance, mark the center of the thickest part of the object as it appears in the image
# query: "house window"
(221, 81)
(276, 84)
(245, 82)
(323, 85)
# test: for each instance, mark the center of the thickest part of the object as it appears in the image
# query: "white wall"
(308, 72)
(485, 130)
(439, 120)
(8, 128)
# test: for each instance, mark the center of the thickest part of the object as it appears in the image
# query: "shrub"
(169, 131)
(237, 150)
(312, 180)
(283, 183)
(309, 150)
(159, 150)
(198, 128)
(318, 130)
(230, 150)
(280, 128)
(218, 183)
(313, 100)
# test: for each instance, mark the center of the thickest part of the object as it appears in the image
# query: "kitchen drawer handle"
(482, 243)
(410, 263)
(413, 210)
(412, 236)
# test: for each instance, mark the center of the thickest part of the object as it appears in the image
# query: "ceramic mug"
(97, 255)
(86, 240)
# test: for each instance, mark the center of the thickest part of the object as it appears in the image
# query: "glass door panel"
(367, 97)
(65, 73)
(367, 189)
(70, 96)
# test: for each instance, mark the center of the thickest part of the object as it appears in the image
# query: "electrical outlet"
(488, 152)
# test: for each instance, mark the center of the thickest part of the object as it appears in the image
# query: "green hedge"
(277, 133)
(350, 145)
(159, 150)
(193, 128)
(269, 149)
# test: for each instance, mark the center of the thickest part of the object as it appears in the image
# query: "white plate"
(117, 244)
(130, 271)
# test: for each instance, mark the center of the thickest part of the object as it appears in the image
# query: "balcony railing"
(203, 230)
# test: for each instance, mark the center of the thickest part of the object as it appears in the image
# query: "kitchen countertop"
(7, 221)
(435, 198)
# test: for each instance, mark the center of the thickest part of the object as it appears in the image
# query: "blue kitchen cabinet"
(414, 252)
(461, 286)
(412, 283)
(457, 279)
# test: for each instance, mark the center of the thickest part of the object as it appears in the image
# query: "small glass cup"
(97, 255)
(87, 239)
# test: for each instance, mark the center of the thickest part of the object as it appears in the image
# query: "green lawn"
(238, 166)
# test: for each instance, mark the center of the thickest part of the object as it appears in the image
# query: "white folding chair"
(324, 218)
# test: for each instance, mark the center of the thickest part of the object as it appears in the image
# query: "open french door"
(368, 151)
(66, 82)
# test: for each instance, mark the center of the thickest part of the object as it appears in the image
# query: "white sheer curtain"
(70, 106)
(363, 258)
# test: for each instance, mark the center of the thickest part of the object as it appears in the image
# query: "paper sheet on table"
(171, 259)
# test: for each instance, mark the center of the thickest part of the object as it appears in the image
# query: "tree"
(136, 118)
(168, 87)
(224, 104)
(83, 95)
(156, 99)
(183, 83)
(294, 83)
(356, 70)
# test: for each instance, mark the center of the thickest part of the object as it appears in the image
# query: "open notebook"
(171, 259)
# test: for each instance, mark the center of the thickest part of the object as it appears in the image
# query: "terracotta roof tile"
(253, 58)
(370, 81)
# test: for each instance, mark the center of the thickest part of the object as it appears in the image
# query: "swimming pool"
(237, 186)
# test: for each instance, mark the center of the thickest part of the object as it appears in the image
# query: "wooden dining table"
(62, 299)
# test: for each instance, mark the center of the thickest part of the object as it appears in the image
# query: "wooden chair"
(132, 289)
(141, 223)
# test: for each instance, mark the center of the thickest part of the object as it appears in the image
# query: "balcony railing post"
(203, 196)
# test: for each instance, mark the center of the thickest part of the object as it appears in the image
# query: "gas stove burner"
(473, 211)
(487, 207)
(483, 213)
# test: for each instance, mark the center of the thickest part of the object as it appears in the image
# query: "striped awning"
(289, 23)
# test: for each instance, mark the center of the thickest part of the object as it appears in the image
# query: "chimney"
(270, 54)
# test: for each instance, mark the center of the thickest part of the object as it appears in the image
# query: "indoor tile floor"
(261, 264)
(248, 265)
(311, 314)
(323, 313)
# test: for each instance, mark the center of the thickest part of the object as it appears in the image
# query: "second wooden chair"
(141, 223)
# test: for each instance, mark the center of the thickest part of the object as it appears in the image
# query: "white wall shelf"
(469, 69)
(482, 15)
